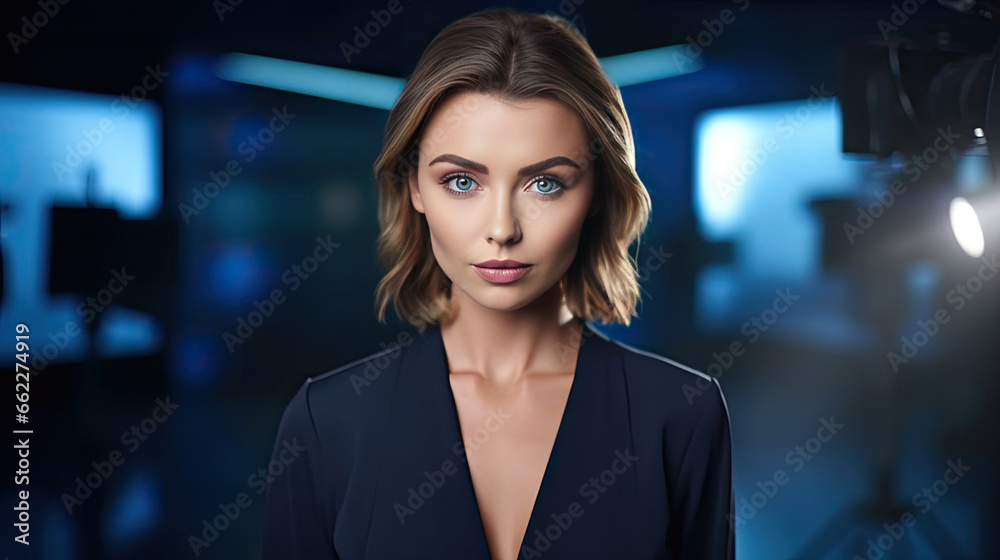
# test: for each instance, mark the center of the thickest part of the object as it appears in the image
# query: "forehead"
(480, 125)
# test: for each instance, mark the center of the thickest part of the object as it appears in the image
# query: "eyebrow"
(527, 170)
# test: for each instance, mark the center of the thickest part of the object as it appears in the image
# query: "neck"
(505, 346)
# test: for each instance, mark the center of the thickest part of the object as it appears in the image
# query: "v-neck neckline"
(558, 442)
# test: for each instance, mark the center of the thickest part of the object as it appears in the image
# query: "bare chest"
(508, 438)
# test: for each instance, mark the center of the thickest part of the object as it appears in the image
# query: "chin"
(501, 297)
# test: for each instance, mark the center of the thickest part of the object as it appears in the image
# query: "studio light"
(966, 227)
(381, 92)
(975, 222)
(349, 86)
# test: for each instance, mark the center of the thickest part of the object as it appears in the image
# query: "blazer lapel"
(425, 505)
(595, 428)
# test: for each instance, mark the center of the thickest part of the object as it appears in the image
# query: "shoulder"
(682, 408)
(677, 390)
(363, 376)
(344, 394)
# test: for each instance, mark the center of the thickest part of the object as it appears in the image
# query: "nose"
(503, 226)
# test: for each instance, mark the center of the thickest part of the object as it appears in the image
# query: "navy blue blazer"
(641, 466)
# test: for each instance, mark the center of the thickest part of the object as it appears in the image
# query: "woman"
(507, 428)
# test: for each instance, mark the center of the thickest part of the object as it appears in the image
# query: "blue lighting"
(250, 139)
(381, 92)
(60, 539)
(756, 169)
(52, 138)
(133, 512)
(52, 143)
(196, 360)
(650, 65)
(351, 86)
(125, 332)
(195, 73)
(236, 272)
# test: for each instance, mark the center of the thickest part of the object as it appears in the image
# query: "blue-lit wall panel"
(52, 144)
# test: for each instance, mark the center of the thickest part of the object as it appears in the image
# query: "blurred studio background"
(824, 239)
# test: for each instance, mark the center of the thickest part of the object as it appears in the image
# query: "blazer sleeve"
(295, 522)
(703, 507)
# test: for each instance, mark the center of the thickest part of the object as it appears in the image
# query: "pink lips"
(501, 271)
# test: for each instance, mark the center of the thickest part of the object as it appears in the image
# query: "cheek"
(560, 236)
(447, 233)
(568, 245)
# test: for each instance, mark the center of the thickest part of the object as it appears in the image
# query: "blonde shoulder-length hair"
(513, 55)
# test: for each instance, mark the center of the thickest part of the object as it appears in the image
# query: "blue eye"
(463, 183)
(551, 185)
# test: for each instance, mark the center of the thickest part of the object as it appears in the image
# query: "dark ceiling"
(104, 46)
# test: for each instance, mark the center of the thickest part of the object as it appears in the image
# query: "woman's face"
(503, 181)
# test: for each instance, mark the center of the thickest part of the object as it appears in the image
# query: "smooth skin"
(506, 342)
